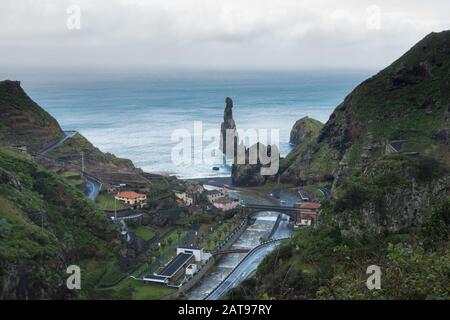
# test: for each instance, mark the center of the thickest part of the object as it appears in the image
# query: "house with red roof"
(132, 198)
(309, 205)
(308, 212)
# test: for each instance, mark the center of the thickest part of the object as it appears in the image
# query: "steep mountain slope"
(386, 153)
(47, 225)
(70, 153)
(22, 121)
(385, 150)
(409, 100)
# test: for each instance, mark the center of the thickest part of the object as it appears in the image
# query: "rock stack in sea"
(228, 127)
(243, 174)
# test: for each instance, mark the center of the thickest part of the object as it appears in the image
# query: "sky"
(219, 34)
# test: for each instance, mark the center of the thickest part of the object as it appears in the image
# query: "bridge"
(130, 217)
(290, 211)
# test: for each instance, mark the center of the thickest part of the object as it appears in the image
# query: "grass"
(160, 184)
(144, 233)
(144, 291)
(71, 149)
(173, 236)
(314, 191)
(129, 288)
(74, 178)
(106, 202)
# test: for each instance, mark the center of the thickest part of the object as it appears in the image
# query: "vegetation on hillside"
(409, 100)
(319, 263)
(70, 153)
(22, 121)
(388, 208)
(46, 225)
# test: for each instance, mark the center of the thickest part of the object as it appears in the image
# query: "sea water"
(133, 114)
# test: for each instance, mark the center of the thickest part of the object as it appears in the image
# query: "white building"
(191, 269)
(187, 199)
(226, 204)
(199, 254)
(130, 197)
(215, 195)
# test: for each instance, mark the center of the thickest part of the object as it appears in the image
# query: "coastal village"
(171, 232)
(174, 229)
(204, 219)
(371, 185)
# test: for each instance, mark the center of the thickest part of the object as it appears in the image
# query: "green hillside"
(385, 154)
(22, 121)
(46, 225)
(70, 153)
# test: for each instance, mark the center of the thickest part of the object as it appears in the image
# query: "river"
(263, 225)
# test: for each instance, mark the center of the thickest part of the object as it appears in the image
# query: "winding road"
(67, 135)
(92, 188)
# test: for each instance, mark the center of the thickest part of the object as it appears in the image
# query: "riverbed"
(263, 225)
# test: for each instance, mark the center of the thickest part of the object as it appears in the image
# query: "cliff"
(385, 154)
(409, 100)
(22, 121)
(398, 122)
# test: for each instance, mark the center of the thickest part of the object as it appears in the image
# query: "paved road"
(251, 262)
(271, 208)
(325, 192)
(67, 135)
(92, 188)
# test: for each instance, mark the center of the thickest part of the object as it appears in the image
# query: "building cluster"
(190, 196)
(193, 199)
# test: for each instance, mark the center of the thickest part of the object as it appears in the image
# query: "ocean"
(134, 114)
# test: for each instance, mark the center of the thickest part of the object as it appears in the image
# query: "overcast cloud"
(216, 33)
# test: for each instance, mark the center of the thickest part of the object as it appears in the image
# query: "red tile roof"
(223, 200)
(130, 195)
(309, 205)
